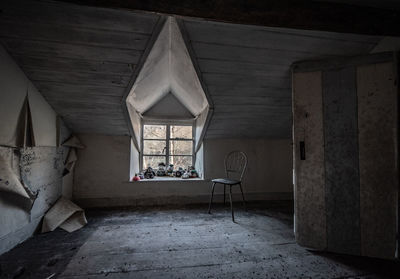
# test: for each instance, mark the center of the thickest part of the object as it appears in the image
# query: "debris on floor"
(64, 214)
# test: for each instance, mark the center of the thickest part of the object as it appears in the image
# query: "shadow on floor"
(371, 267)
(44, 255)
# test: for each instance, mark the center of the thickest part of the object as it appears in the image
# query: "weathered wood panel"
(80, 58)
(310, 222)
(265, 100)
(341, 161)
(239, 74)
(275, 38)
(56, 89)
(73, 65)
(67, 50)
(206, 50)
(377, 154)
(245, 80)
(75, 35)
(342, 62)
(77, 16)
(78, 78)
(85, 100)
(243, 68)
(288, 14)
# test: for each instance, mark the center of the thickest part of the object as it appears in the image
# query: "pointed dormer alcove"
(168, 87)
(169, 107)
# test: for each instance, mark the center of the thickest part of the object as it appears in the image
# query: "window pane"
(154, 147)
(181, 161)
(153, 161)
(181, 132)
(154, 132)
(180, 147)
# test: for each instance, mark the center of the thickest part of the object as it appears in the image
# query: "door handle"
(302, 150)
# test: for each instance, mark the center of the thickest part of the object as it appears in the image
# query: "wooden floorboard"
(184, 242)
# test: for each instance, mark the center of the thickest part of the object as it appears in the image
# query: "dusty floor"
(184, 242)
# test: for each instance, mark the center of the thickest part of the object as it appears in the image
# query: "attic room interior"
(199, 139)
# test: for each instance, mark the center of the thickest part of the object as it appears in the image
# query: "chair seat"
(226, 181)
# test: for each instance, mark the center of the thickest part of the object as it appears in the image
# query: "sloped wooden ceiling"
(80, 58)
(83, 58)
(247, 72)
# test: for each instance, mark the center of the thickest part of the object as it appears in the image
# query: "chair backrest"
(235, 165)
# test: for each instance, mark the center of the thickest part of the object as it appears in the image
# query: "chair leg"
(244, 201)
(211, 198)
(224, 193)
(230, 197)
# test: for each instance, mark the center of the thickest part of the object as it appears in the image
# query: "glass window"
(154, 147)
(154, 132)
(181, 132)
(168, 144)
(180, 147)
(181, 161)
(153, 161)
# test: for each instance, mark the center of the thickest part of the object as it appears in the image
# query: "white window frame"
(168, 124)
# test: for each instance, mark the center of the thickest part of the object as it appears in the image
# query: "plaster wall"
(102, 173)
(39, 168)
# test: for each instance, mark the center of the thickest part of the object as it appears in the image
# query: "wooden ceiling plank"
(78, 78)
(72, 35)
(52, 50)
(252, 101)
(73, 65)
(51, 88)
(238, 67)
(255, 37)
(83, 99)
(252, 55)
(244, 80)
(249, 90)
(299, 14)
(77, 16)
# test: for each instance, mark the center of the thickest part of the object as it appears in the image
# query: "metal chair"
(235, 166)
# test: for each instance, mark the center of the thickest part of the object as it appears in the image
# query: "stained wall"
(102, 173)
(39, 167)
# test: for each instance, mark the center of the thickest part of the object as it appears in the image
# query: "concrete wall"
(102, 173)
(39, 168)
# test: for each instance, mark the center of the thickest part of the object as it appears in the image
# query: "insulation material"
(346, 185)
(377, 144)
(342, 180)
(64, 214)
(9, 181)
(73, 142)
(310, 223)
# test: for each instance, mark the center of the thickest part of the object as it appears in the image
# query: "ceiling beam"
(299, 14)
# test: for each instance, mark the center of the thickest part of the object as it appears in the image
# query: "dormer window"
(167, 105)
(168, 144)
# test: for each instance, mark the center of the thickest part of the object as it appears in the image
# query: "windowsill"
(160, 179)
